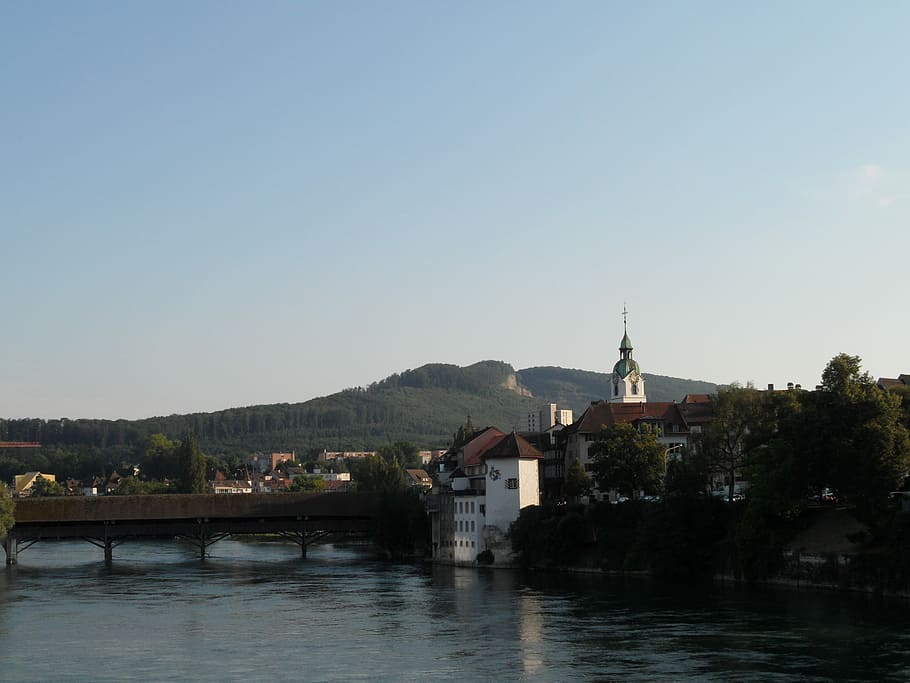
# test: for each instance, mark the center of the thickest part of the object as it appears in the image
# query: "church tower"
(628, 384)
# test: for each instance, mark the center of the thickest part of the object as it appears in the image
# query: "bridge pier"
(11, 546)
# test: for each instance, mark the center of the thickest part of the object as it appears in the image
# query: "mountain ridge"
(424, 405)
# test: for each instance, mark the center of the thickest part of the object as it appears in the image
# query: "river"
(255, 611)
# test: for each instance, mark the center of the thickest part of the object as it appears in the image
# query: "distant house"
(336, 485)
(232, 486)
(419, 478)
(896, 383)
(23, 483)
(282, 457)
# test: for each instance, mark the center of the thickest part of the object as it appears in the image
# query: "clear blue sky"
(215, 204)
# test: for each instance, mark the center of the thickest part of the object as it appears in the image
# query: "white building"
(548, 416)
(485, 493)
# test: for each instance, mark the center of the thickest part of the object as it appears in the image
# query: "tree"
(307, 484)
(688, 475)
(131, 486)
(158, 458)
(853, 436)
(43, 487)
(627, 459)
(7, 506)
(406, 453)
(577, 483)
(192, 466)
(377, 474)
(464, 434)
(736, 430)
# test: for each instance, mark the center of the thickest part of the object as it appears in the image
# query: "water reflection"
(255, 610)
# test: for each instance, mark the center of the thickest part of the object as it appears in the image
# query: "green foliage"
(773, 502)
(550, 535)
(307, 484)
(192, 467)
(477, 378)
(46, 488)
(158, 458)
(852, 437)
(688, 474)
(418, 406)
(376, 474)
(849, 437)
(403, 452)
(682, 537)
(7, 517)
(627, 459)
(737, 428)
(131, 486)
(617, 528)
(577, 482)
(402, 526)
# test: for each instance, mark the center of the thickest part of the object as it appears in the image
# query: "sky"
(215, 204)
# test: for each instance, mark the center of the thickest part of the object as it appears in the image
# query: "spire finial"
(624, 314)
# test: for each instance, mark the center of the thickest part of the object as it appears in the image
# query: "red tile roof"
(606, 414)
(480, 443)
(511, 446)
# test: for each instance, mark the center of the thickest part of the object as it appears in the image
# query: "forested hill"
(576, 389)
(425, 406)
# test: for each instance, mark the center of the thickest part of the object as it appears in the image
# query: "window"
(635, 387)
(511, 483)
(472, 525)
(483, 509)
(472, 507)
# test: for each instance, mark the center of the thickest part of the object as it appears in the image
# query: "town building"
(418, 478)
(23, 483)
(628, 403)
(480, 489)
(898, 382)
(548, 417)
(232, 486)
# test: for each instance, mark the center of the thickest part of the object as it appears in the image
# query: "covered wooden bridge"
(201, 519)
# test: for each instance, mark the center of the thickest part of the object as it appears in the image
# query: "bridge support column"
(11, 546)
(108, 546)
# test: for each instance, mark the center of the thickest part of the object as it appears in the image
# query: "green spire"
(626, 343)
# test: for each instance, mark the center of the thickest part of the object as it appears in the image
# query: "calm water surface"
(255, 611)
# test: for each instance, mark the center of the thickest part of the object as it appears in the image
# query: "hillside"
(425, 405)
(576, 389)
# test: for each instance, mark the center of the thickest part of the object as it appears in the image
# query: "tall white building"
(495, 476)
(548, 416)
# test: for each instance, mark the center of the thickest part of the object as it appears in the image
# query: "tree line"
(848, 441)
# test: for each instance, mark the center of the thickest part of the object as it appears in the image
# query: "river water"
(255, 611)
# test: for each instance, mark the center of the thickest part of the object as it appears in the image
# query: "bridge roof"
(194, 506)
